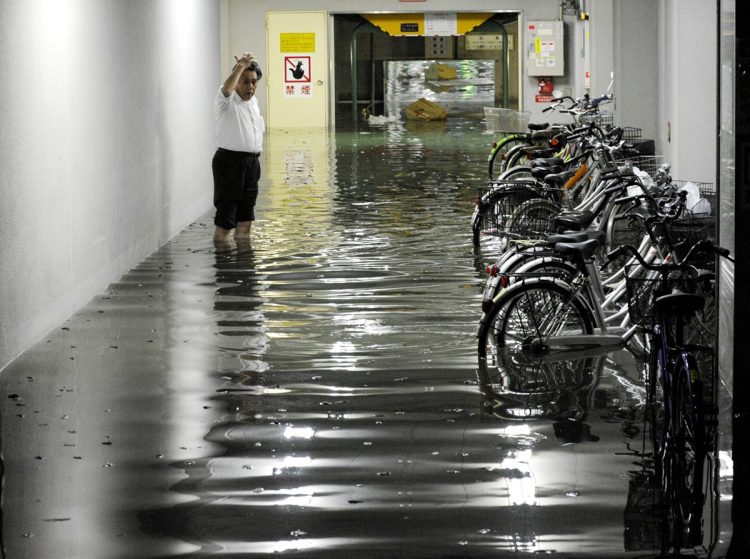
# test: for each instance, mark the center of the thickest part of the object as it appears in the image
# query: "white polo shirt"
(239, 125)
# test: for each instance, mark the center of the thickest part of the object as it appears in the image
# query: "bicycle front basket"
(641, 291)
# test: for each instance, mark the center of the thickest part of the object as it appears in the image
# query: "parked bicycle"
(682, 417)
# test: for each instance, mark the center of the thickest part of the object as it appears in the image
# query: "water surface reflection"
(363, 432)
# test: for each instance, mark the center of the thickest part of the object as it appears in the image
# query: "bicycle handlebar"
(558, 100)
(701, 247)
(679, 202)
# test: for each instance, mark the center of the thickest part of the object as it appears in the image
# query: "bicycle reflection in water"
(522, 389)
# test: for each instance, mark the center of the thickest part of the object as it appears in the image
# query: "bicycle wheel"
(528, 313)
(655, 395)
(533, 219)
(684, 458)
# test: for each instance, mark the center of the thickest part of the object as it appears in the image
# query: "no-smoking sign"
(297, 69)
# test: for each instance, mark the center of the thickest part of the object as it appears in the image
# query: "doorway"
(367, 58)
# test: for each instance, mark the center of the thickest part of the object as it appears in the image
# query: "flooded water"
(317, 394)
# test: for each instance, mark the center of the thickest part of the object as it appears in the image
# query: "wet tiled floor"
(317, 394)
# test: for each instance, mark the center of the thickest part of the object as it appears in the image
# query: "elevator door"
(297, 47)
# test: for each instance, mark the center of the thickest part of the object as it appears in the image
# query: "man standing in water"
(239, 141)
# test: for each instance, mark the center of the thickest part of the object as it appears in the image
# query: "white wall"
(688, 88)
(602, 54)
(664, 58)
(107, 136)
(636, 48)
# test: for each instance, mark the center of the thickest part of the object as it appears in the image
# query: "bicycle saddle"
(541, 135)
(547, 162)
(542, 172)
(536, 153)
(576, 220)
(577, 237)
(582, 250)
(539, 126)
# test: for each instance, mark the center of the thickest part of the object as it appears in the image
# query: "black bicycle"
(679, 377)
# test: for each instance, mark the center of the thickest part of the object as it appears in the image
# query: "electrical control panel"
(545, 48)
(438, 46)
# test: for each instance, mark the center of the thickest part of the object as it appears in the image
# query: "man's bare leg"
(222, 235)
(243, 230)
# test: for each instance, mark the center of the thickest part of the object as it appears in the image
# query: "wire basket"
(702, 205)
(631, 133)
(600, 119)
(647, 163)
(641, 290)
(686, 232)
(501, 211)
(698, 222)
(502, 204)
(506, 120)
(692, 230)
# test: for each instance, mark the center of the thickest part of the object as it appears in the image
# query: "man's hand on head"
(245, 60)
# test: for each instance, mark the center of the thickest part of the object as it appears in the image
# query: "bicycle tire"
(684, 457)
(503, 146)
(527, 311)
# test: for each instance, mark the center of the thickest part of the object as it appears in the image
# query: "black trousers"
(236, 175)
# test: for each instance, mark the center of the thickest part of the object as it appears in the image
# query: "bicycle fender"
(526, 264)
(511, 262)
(540, 261)
(475, 218)
(503, 175)
(499, 295)
(493, 152)
(502, 143)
